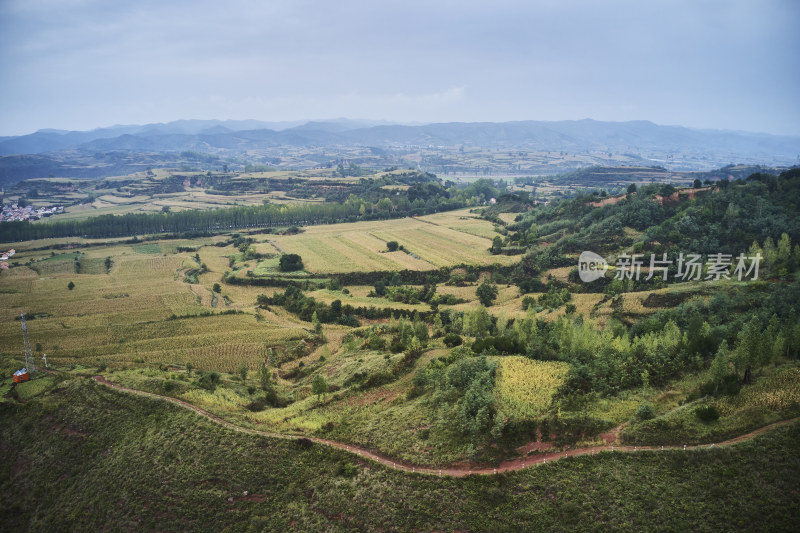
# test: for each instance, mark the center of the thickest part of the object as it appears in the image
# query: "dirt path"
(506, 466)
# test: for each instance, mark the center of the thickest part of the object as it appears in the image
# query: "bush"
(290, 263)
(346, 469)
(209, 380)
(486, 293)
(730, 385)
(707, 413)
(497, 345)
(532, 285)
(256, 406)
(392, 246)
(645, 411)
(451, 340)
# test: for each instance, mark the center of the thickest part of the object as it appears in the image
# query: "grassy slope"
(86, 458)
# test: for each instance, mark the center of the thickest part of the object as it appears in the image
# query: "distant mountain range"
(211, 143)
(568, 135)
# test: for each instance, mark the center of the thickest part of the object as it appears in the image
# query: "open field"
(141, 311)
(432, 241)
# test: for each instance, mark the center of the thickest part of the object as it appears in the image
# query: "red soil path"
(455, 471)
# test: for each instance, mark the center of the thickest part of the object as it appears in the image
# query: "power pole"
(30, 364)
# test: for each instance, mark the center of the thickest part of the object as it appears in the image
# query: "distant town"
(14, 212)
(4, 257)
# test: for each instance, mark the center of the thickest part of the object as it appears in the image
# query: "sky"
(711, 64)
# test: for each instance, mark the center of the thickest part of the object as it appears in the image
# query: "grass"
(125, 462)
(34, 387)
(774, 396)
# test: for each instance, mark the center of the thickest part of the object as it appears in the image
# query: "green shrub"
(209, 380)
(256, 406)
(707, 413)
(290, 263)
(645, 411)
(452, 339)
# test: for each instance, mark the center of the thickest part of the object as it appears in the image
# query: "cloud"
(398, 106)
(723, 64)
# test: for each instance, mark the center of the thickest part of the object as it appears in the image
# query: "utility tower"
(30, 364)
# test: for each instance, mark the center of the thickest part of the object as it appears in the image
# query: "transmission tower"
(30, 364)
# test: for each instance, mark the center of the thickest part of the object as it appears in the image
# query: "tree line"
(217, 220)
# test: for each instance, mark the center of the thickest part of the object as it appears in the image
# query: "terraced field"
(432, 241)
(142, 311)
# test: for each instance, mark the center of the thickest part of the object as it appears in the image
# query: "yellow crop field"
(464, 221)
(362, 246)
(524, 388)
(141, 311)
(126, 315)
(328, 296)
(508, 218)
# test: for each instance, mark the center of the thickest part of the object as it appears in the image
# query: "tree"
(70, 285)
(719, 366)
(486, 293)
(697, 184)
(189, 367)
(217, 288)
(319, 386)
(392, 246)
(751, 344)
(243, 372)
(264, 377)
(336, 309)
(477, 322)
(317, 324)
(290, 263)
(108, 264)
(631, 188)
(497, 246)
(384, 205)
(380, 287)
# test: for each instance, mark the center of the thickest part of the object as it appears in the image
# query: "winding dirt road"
(459, 471)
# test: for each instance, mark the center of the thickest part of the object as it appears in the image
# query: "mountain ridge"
(571, 135)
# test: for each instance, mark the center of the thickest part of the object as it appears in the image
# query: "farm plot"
(139, 312)
(464, 221)
(442, 246)
(362, 246)
(329, 296)
(524, 388)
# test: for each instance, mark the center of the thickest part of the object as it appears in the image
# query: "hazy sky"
(82, 64)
